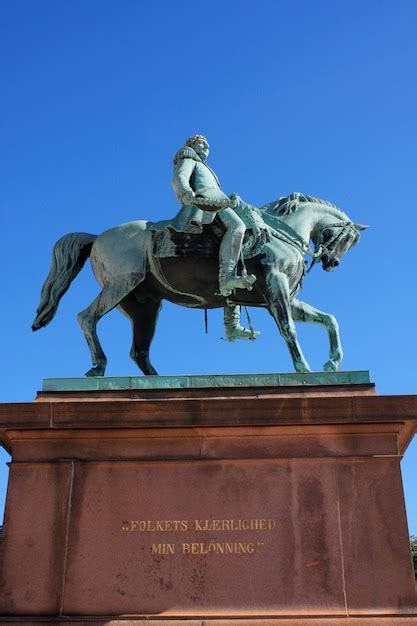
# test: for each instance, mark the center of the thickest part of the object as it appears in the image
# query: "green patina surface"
(204, 381)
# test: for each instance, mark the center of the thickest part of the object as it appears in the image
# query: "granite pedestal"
(243, 502)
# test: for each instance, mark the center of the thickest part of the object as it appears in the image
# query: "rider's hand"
(236, 199)
(188, 197)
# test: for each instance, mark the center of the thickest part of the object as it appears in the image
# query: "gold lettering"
(156, 548)
(155, 526)
(228, 525)
(195, 548)
(212, 548)
(163, 548)
(200, 525)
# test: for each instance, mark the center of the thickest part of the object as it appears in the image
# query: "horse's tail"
(68, 257)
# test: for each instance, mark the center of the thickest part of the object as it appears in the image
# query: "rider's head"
(200, 145)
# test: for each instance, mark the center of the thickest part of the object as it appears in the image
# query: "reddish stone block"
(219, 510)
(34, 543)
(375, 538)
(112, 571)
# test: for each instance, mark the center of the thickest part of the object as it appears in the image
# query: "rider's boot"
(229, 280)
(230, 248)
(232, 325)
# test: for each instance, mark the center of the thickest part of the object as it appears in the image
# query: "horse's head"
(303, 217)
(333, 240)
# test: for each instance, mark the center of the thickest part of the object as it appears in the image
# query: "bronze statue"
(139, 264)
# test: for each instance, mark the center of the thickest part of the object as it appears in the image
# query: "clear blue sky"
(293, 96)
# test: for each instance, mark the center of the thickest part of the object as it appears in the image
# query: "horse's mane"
(291, 203)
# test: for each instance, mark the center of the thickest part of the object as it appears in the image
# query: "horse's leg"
(143, 316)
(109, 298)
(278, 301)
(303, 312)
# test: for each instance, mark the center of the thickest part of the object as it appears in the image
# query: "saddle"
(168, 243)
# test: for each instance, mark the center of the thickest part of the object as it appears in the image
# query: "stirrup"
(231, 282)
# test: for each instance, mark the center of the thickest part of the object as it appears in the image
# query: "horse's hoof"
(95, 371)
(330, 366)
(303, 369)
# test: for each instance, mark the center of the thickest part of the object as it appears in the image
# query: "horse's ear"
(361, 226)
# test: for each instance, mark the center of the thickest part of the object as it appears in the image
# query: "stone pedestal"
(228, 505)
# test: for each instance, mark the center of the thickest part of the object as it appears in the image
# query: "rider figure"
(193, 177)
(195, 185)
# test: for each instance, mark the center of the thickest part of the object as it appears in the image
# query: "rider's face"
(202, 148)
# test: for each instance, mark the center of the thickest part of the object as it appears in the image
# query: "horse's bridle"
(324, 248)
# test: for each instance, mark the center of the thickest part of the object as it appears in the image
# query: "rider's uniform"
(191, 174)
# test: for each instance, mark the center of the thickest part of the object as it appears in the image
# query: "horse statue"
(137, 268)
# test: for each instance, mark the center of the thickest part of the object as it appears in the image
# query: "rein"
(322, 249)
(325, 248)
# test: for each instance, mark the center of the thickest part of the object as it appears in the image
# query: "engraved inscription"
(164, 549)
(161, 526)
(213, 547)
(200, 526)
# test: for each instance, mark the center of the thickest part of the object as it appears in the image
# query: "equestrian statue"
(218, 251)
